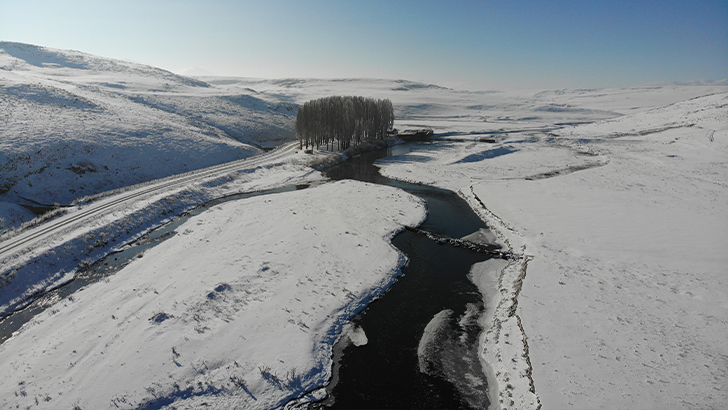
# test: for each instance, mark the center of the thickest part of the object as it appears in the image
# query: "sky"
(476, 45)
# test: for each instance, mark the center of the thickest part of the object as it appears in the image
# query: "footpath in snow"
(620, 299)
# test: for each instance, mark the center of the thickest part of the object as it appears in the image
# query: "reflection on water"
(360, 167)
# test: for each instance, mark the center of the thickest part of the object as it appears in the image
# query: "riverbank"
(251, 324)
(422, 349)
(619, 300)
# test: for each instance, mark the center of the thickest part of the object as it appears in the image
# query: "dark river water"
(422, 349)
(400, 367)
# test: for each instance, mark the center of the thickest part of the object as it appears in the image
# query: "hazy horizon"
(474, 45)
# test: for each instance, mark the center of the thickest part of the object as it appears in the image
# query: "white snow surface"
(73, 124)
(620, 299)
(240, 309)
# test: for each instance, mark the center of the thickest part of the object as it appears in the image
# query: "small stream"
(423, 333)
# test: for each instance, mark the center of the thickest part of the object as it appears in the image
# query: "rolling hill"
(74, 124)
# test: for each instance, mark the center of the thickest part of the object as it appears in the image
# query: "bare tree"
(343, 120)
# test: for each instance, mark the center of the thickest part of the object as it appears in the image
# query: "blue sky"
(465, 44)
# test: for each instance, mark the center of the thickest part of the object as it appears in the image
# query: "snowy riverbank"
(620, 299)
(250, 324)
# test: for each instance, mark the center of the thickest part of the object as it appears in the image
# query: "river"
(423, 333)
(403, 365)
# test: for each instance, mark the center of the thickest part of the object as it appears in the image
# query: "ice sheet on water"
(356, 335)
(448, 350)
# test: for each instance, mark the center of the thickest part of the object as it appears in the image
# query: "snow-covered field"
(327, 262)
(45, 256)
(619, 299)
(250, 323)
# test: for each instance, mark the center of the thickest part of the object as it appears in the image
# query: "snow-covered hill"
(73, 124)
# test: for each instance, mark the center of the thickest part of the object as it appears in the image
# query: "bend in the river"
(423, 333)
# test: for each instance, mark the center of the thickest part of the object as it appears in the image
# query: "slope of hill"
(74, 124)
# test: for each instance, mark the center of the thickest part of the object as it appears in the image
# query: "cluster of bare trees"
(343, 120)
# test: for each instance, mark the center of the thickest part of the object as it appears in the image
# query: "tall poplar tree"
(343, 120)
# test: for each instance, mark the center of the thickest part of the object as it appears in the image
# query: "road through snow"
(27, 240)
(45, 256)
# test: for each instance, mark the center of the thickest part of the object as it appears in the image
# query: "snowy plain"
(619, 300)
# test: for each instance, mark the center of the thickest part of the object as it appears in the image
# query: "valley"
(611, 199)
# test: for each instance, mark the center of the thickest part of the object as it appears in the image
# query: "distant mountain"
(698, 82)
(405, 85)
